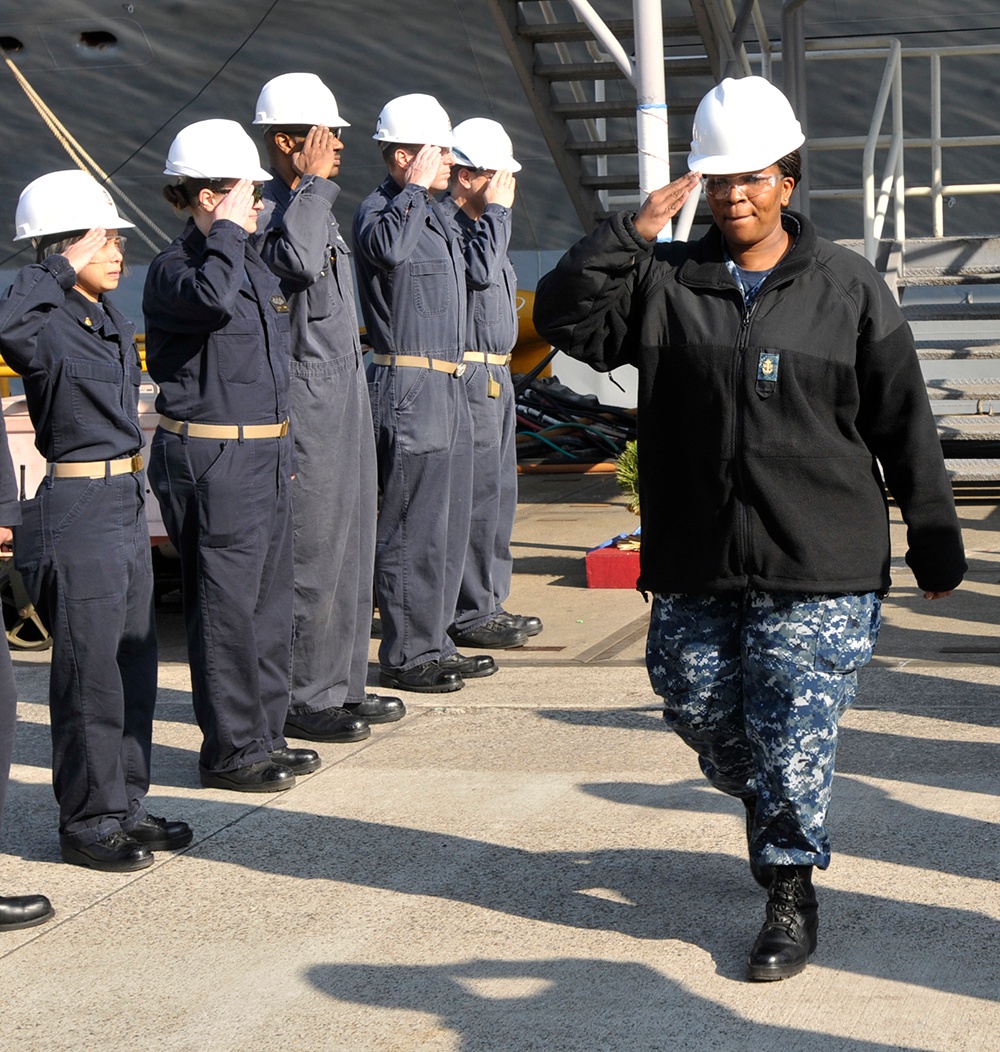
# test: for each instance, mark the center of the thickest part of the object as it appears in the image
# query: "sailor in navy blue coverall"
(16, 911)
(411, 275)
(221, 467)
(336, 485)
(83, 547)
(479, 203)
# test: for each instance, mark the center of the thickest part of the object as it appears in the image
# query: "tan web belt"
(195, 430)
(487, 359)
(95, 469)
(420, 361)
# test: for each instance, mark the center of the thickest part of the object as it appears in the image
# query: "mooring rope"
(80, 157)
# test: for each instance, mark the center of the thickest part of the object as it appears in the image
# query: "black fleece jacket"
(764, 433)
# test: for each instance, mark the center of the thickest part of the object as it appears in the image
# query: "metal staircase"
(578, 73)
(951, 299)
(949, 292)
(584, 102)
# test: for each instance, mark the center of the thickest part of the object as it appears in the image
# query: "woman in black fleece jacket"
(779, 395)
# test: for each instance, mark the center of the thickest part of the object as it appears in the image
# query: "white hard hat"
(742, 126)
(298, 99)
(62, 202)
(214, 149)
(414, 119)
(481, 143)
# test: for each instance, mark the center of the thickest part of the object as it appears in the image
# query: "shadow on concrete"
(567, 1004)
(703, 898)
(891, 831)
(936, 697)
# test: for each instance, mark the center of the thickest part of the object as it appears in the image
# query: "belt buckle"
(460, 368)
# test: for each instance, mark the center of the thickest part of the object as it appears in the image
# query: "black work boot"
(763, 874)
(789, 933)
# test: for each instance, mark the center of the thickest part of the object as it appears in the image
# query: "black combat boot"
(789, 933)
(763, 874)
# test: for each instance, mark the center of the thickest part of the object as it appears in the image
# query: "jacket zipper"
(742, 342)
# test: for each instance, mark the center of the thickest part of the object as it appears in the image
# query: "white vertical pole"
(937, 167)
(651, 101)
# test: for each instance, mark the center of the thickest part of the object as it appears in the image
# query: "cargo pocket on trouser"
(224, 488)
(84, 522)
(424, 410)
(812, 642)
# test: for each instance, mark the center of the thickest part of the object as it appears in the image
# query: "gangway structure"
(584, 80)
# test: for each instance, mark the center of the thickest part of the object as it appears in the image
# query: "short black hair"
(790, 166)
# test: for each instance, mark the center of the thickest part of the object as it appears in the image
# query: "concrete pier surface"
(534, 862)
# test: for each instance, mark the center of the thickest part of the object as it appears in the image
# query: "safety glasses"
(748, 186)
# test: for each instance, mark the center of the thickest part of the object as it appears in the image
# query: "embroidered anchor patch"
(767, 366)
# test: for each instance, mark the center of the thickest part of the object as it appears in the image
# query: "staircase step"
(954, 350)
(951, 311)
(617, 108)
(985, 389)
(586, 110)
(623, 147)
(969, 470)
(674, 29)
(611, 182)
(972, 428)
(567, 32)
(607, 70)
(597, 146)
(555, 71)
(951, 260)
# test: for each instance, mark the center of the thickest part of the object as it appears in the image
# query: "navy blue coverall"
(217, 343)
(492, 331)
(411, 277)
(336, 486)
(83, 545)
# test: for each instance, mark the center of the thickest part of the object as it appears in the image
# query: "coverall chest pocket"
(240, 354)
(489, 305)
(94, 392)
(431, 287)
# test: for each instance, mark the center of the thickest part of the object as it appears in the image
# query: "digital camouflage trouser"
(755, 683)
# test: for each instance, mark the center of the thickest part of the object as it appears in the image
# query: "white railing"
(893, 187)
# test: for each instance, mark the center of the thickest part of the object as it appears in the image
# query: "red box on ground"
(612, 567)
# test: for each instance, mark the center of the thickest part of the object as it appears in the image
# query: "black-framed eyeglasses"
(748, 186)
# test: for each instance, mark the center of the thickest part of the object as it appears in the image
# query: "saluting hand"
(238, 205)
(424, 167)
(663, 204)
(320, 153)
(82, 252)
(500, 189)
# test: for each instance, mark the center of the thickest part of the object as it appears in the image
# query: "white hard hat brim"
(259, 176)
(115, 222)
(438, 140)
(738, 163)
(495, 164)
(336, 121)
